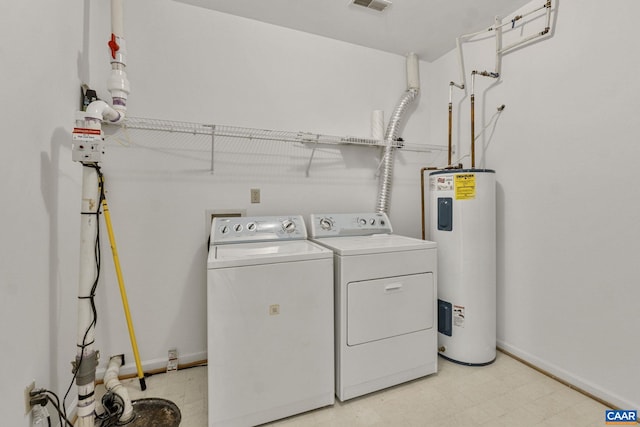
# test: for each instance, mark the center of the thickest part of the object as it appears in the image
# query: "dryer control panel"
(355, 224)
(257, 229)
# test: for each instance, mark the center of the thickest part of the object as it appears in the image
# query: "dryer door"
(384, 308)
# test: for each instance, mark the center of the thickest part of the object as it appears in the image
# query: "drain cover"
(155, 412)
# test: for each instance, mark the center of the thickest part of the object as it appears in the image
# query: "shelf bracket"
(313, 151)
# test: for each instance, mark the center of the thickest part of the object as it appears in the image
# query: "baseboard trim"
(565, 378)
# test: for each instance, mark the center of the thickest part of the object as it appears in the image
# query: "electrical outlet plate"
(172, 364)
(255, 195)
(27, 397)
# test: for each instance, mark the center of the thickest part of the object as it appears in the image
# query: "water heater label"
(465, 186)
(458, 315)
(442, 183)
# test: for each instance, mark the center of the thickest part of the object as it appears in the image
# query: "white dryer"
(385, 302)
(270, 321)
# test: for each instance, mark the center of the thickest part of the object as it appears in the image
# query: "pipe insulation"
(393, 132)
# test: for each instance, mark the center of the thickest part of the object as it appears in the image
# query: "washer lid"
(245, 254)
(377, 243)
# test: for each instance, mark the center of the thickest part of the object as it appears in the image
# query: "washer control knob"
(362, 221)
(288, 226)
(372, 221)
(237, 227)
(251, 226)
(326, 223)
(224, 229)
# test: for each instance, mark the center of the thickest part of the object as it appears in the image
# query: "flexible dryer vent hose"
(391, 135)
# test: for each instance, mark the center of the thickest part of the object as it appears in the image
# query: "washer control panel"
(257, 229)
(356, 224)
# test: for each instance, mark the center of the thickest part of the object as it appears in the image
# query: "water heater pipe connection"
(497, 28)
(473, 110)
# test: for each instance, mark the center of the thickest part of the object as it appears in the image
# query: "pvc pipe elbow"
(100, 110)
(112, 383)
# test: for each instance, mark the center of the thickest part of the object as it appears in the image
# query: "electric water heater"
(462, 220)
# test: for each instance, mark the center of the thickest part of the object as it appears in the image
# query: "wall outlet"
(27, 397)
(255, 195)
(172, 363)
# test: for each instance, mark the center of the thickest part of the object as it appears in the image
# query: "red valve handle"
(113, 45)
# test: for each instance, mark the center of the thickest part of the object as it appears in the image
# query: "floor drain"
(155, 412)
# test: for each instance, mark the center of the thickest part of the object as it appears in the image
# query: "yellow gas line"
(123, 293)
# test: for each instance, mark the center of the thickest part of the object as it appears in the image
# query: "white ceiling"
(426, 27)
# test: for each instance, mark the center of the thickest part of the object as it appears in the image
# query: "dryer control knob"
(251, 226)
(326, 223)
(372, 221)
(288, 226)
(224, 229)
(362, 221)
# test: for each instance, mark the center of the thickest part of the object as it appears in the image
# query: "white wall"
(42, 51)
(185, 63)
(191, 64)
(564, 151)
(567, 199)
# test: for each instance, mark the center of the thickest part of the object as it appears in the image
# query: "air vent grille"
(378, 5)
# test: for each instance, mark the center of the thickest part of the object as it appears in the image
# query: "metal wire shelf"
(312, 140)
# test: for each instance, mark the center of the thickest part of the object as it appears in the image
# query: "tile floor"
(505, 393)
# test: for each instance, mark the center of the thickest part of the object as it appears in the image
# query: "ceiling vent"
(378, 5)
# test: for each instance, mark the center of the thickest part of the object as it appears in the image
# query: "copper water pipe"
(450, 122)
(422, 198)
(473, 123)
(473, 113)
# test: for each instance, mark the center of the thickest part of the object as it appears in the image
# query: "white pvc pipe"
(86, 357)
(547, 5)
(100, 110)
(498, 27)
(413, 75)
(88, 231)
(112, 384)
(477, 33)
(86, 328)
(118, 84)
(522, 41)
(463, 81)
(117, 26)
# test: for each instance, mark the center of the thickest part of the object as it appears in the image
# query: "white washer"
(270, 321)
(385, 302)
